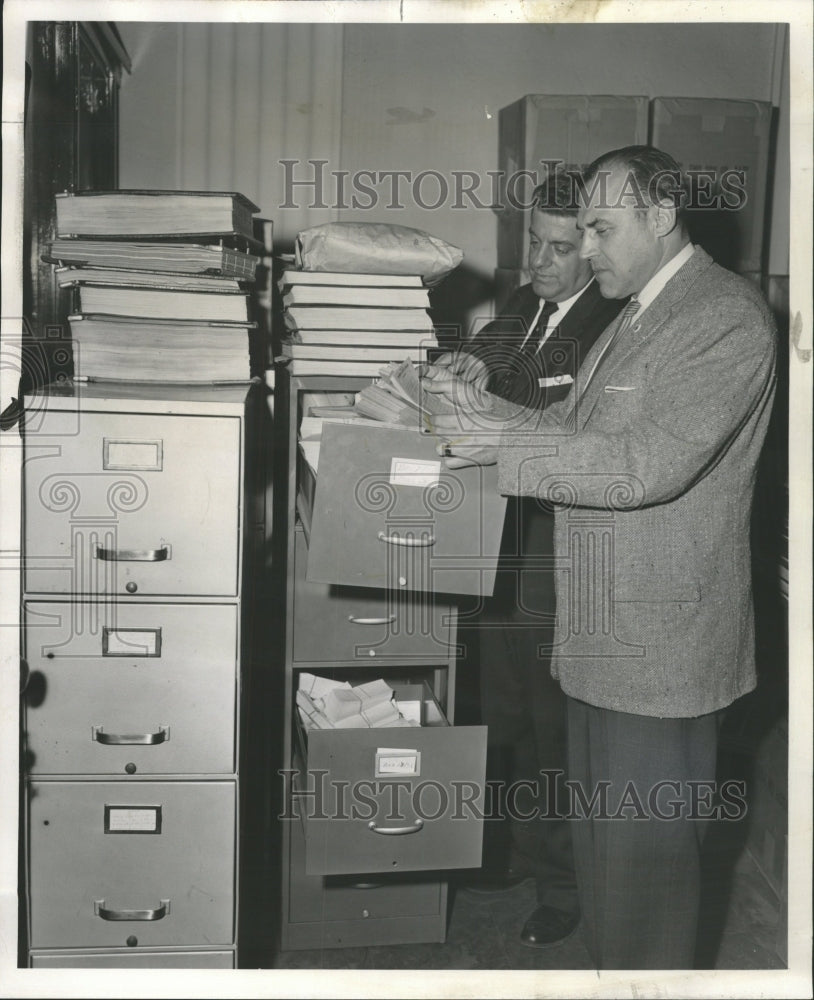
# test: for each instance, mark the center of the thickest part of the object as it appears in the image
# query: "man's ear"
(665, 217)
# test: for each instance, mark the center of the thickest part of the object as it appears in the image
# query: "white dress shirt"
(554, 319)
(662, 276)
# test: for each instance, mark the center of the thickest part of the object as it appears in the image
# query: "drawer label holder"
(414, 472)
(395, 763)
(133, 819)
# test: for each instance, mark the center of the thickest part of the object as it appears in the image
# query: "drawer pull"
(396, 831)
(131, 739)
(133, 555)
(159, 913)
(372, 621)
(424, 542)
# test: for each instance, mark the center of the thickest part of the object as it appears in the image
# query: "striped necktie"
(624, 324)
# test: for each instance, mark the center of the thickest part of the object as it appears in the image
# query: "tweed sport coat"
(654, 488)
(528, 528)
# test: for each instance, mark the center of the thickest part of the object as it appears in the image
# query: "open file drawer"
(392, 799)
(387, 513)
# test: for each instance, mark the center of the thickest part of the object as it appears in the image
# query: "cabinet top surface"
(141, 397)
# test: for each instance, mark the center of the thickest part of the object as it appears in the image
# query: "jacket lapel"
(656, 315)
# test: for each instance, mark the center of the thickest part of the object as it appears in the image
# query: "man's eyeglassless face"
(557, 271)
(618, 239)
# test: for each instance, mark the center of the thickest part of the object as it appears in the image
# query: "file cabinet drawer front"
(134, 959)
(376, 525)
(112, 861)
(439, 811)
(130, 688)
(333, 624)
(133, 503)
(313, 899)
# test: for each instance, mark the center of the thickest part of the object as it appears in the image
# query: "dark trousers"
(524, 709)
(638, 869)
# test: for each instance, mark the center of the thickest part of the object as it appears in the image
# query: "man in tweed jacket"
(530, 354)
(651, 463)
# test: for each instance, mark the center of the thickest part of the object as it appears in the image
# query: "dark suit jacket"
(557, 363)
(529, 525)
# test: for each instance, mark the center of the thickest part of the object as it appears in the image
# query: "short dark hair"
(657, 175)
(557, 195)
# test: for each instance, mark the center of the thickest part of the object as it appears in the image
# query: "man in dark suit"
(530, 355)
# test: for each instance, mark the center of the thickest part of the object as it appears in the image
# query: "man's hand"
(455, 375)
(465, 440)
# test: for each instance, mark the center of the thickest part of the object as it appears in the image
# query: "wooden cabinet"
(139, 790)
(355, 872)
(71, 144)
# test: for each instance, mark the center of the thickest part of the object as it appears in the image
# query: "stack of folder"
(343, 323)
(324, 703)
(158, 283)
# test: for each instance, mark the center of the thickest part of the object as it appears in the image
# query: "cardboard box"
(725, 146)
(573, 129)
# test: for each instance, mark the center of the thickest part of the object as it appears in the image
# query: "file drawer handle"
(131, 739)
(159, 913)
(423, 542)
(133, 555)
(372, 621)
(396, 831)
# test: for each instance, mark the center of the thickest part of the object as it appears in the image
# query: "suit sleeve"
(716, 369)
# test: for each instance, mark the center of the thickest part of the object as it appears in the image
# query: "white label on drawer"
(392, 762)
(131, 642)
(414, 472)
(129, 454)
(132, 819)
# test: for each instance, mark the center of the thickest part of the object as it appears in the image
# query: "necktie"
(515, 376)
(624, 324)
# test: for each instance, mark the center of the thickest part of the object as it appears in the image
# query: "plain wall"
(421, 97)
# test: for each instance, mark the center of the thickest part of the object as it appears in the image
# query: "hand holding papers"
(469, 439)
(447, 373)
(398, 396)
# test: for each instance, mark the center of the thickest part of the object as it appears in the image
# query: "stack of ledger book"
(158, 283)
(343, 323)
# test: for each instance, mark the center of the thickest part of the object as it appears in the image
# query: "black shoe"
(548, 926)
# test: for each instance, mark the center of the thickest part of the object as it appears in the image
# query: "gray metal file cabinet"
(144, 508)
(354, 871)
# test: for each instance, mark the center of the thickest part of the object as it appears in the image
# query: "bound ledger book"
(184, 258)
(154, 213)
(125, 347)
(355, 279)
(68, 276)
(407, 340)
(336, 295)
(163, 303)
(356, 318)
